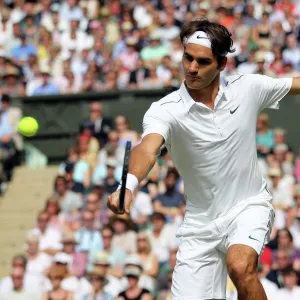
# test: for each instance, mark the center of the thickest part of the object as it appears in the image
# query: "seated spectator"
(56, 276)
(47, 87)
(76, 187)
(149, 263)
(162, 237)
(141, 208)
(88, 239)
(87, 129)
(125, 134)
(87, 159)
(124, 236)
(97, 279)
(166, 294)
(291, 290)
(152, 81)
(110, 182)
(13, 115)
(138, 75)
(163, 70)
(69, 282)
(12, 83)
(22, 53)
(37, 262)
(133, 291)
(116, 255)
(112, 147)
(282, 261)
(49, 238)
(78, 259)
(56, 219)
(129, 59)
(170, 202)
(69, 201)
(113, 285)
(19, 290)
(264, 136)
(30, 282)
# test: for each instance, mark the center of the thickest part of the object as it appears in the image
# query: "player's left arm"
(295, 89)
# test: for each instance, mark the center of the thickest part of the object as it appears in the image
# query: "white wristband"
(131, 183)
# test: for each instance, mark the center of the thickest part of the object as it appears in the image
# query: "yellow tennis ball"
(28, 126)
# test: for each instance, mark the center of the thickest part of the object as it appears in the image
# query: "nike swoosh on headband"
(199, 38)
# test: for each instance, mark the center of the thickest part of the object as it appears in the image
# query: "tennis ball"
(28, 126)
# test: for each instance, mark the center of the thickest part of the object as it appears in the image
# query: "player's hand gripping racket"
(124, 177)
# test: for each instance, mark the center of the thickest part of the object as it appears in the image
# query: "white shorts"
(201, 271)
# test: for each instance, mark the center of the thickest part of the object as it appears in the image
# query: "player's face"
(200, 66)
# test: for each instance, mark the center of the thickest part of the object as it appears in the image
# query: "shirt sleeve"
(272, 90)
(157, 120)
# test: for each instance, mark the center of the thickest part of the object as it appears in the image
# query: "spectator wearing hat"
(37, 261)
(155, 51)
(56, 276)
(62, 261)
(12, 84)
(98, 281)
(285, 158)
(133, 271)
(49, 239)
(19, 290)
(69, 201)
(261, 69)
(110, 182)
(129, 59)
(162, 237)
(124, 236)
(47, 87)
(113, 284)
(78, 260)
(88, 239)
(291, 290)
(171, 201)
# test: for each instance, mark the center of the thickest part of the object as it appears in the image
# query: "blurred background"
(88, 71)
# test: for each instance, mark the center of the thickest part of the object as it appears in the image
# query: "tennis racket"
(124, 177)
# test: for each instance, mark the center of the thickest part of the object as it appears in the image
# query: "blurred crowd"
(51, 47)
(79, 249)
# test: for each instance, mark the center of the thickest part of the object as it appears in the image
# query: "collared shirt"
(48, 89)
(214, 150)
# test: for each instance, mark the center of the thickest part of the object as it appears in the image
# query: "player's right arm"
(142, 160)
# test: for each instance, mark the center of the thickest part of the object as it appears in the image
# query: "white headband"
(199, 38)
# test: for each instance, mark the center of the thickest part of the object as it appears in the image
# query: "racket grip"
(121, 209)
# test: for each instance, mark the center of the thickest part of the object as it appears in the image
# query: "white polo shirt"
(215, 150)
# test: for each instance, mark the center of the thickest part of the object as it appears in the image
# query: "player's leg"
(200, 272)
(242, 265)
(247, 235)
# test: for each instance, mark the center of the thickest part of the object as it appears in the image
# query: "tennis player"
(209, 127)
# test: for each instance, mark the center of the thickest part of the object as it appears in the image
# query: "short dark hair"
(20, 257)
(5, 98)
(219, 36)
(289, 271)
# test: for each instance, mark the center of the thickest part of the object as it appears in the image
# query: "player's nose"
(194, 67)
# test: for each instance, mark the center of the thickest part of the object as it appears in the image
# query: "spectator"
(56, 276)
(166, 294)
(129, 59)
(12, 85)
(56, 219)
(76, 187)
(124, 236)
(141, 208)
(49, 239)
(133, 273)
(282, 261)
(102, 125)
(152, 81)
(110, 182)
(98, 281)
(149, 263)
(89, 240)
(170, 202)
(46, 88)
(292, 53)
(291, 290)
(37, 262)
(264, 136)
(162, 237)
(19, 290)
(69, 201)
(125, 134)
(138, 75)
(22, 53)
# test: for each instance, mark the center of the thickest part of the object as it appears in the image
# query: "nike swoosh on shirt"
(251, 238)
(233, 111)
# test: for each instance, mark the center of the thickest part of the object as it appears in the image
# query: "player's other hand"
(113, 202)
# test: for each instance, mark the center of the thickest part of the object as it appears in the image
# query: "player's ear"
(222, 63)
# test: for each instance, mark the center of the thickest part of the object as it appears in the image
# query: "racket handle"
(121, 207)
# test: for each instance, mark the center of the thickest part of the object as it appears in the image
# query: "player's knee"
(241, 272)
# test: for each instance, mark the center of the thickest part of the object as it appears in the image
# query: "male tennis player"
(209, 127)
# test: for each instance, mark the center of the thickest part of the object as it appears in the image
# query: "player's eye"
(188, 57)
(203, 62)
